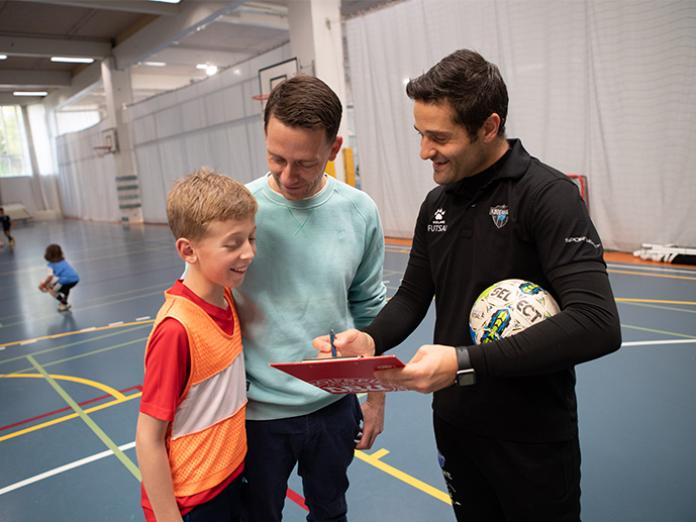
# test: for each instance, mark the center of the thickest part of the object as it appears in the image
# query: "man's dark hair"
(307, 102)
(472, 85)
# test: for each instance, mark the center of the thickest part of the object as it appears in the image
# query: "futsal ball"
(508, 307)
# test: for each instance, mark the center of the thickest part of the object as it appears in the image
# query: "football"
(508, 307)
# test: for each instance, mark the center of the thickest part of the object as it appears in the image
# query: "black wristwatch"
(466, 375)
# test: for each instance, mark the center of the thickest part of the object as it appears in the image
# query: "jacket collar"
(513, 164)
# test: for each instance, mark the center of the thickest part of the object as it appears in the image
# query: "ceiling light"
(3, 57)
(211, 70)
(71, 59)
(167, 1)
(155, 64)
(30, 93)
(202, 66)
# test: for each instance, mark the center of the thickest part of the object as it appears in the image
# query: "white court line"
(116, 323)
(669, 341)
(142, 318)
(62, 469)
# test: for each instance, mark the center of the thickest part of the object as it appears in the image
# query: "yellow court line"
(80, 380)
(645, 274)
(75, 332)
(404, 477)
(653, 301)
(68, 417)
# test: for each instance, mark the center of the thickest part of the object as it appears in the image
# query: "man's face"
(447, 145)
(297, 158)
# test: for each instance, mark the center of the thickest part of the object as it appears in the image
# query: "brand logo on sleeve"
(500, 215)
(582, 239)
(438, 224)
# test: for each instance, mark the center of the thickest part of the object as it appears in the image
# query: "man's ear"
(185, 249)
(490, 127)
(335, 147)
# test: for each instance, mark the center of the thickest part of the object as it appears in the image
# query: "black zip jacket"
(517, 219)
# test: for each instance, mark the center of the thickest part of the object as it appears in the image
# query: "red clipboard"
(344, 374)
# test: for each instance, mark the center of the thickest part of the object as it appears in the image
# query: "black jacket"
(518, 219)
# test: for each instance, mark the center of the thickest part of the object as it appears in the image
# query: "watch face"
(466, 377)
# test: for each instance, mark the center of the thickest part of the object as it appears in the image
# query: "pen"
(332, 336)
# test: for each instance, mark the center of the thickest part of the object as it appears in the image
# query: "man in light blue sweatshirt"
(318, 266)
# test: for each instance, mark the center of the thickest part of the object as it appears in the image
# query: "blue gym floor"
(70, 386)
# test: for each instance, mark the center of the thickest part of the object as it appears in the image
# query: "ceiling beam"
(180, 55)
(6, 98)
(257, 19)
(164, 32)
(22, 78)
(83, 82)
(131, 6)
(25, 46)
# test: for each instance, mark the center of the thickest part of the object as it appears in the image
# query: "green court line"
(654, 330)
(76, 343)
(86, 354)
(128, 463)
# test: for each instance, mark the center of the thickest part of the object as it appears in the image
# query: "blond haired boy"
(190, 438)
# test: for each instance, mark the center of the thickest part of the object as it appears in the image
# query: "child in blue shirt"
(62, 279)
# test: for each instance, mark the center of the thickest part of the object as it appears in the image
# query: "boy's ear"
(185, 249)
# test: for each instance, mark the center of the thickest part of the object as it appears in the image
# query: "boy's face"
(224, 254)
(297, 158)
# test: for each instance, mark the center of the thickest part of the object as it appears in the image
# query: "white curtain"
(599, 88)
(86, 181)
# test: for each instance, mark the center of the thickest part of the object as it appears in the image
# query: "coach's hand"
(432, 368)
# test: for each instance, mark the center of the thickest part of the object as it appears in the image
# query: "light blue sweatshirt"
(318, 266)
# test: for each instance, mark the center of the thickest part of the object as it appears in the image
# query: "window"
(14, 154)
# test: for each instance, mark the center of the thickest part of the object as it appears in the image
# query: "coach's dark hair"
(472, 85)
(305, 101)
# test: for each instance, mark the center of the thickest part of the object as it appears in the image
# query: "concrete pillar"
(316, 39)
(118, 91)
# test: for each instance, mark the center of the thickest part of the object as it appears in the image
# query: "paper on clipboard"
(344, 374)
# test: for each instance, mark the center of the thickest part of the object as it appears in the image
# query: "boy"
(62, 278)
(6, 227)
(190, 438)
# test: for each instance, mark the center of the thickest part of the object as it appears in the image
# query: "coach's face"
(297, 158)
(448, 145)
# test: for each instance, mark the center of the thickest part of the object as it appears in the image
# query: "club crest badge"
(500, 215)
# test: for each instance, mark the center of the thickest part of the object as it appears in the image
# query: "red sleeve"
(167, 367)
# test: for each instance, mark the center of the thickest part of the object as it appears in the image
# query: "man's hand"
(373, 420)
(348, 343)
(432, 368)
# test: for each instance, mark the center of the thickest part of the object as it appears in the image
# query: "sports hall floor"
(70, 384)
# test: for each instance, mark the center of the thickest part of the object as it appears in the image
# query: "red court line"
(67, 408)
(296, 498)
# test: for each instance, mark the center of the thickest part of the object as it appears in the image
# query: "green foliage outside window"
(13, 153)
